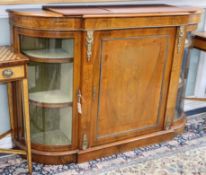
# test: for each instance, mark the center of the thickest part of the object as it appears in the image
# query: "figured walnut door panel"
(131, 78)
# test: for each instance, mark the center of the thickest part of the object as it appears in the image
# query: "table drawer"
(13, 72)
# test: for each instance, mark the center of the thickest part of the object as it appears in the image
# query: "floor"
(195, 132)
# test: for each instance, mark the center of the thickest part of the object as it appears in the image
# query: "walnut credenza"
(101, 79)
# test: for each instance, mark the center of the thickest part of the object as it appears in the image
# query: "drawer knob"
(7, 73)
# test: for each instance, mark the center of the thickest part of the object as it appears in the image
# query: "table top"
(200, 35)
(199, 40)
(9, 58)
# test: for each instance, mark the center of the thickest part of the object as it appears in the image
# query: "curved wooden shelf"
(51, 105)
(47, 60)
(50, 99)
(48, 56)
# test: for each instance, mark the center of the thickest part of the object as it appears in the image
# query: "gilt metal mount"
(85, 142)
(180, 38)
(90, 39)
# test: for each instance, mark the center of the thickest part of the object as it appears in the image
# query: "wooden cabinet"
(101, 82)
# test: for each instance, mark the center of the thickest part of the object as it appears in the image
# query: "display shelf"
(49, 55)
(55, 137)
(52, 99)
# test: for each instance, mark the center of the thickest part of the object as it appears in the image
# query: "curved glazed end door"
(54, 77)
(131, 78)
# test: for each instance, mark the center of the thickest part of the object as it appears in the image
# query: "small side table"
(198, 42)
(13, 68)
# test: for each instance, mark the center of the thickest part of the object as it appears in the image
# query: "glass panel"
(179, 109)
(46, 47)
(193, 68)
(51, 126)
(50, 95)
(50, 88)
(50, 83)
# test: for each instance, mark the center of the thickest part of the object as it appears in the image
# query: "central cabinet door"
(130, 82)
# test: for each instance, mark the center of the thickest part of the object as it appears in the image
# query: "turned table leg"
(27, 122)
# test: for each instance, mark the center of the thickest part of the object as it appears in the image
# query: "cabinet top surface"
(107, 11)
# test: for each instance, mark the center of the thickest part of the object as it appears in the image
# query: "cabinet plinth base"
(129, 144)
(54, 160)
(77, 156)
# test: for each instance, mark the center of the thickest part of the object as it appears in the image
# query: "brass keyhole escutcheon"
(7, 73)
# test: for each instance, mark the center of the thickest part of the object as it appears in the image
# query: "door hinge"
(79, 105)
(85, 142)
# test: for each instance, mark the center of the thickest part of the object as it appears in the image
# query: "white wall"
(4, 120)
(5, 40)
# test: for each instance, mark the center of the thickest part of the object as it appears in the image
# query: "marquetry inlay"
(7, 55)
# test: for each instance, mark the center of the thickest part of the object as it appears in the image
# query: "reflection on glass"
(50, 83)
(179, 109)
(47, 48)
(51, 126)
(180, 101)
(50, 95)
(50, 88)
